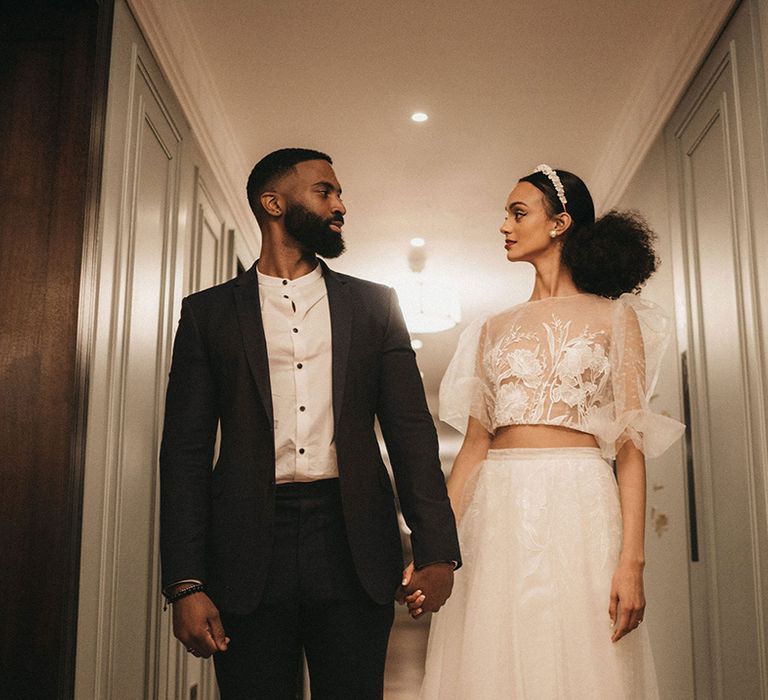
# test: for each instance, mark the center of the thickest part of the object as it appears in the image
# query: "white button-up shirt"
(297, 325)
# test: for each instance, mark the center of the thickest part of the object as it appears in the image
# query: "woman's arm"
(627, 604)
(473, 450)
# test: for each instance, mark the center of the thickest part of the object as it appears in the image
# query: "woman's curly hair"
(609, 257)
(613, 256)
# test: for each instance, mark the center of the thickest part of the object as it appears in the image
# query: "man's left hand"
(426, 589)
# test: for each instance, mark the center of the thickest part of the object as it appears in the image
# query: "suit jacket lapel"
(252, 328)
(340, 306)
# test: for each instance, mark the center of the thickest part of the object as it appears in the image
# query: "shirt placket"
(300, 339)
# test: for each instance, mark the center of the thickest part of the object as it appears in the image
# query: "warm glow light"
(430, 303)
(418, 242)
(419, 117)
(417, 344)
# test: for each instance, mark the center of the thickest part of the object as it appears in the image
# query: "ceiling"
(507, 85)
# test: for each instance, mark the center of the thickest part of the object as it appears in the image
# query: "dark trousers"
(313, 601)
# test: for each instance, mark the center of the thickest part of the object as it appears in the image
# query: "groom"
(291, 542)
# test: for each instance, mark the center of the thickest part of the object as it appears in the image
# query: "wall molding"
(677, 56)
(172, 39)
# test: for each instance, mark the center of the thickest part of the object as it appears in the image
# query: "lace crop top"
(583, 361)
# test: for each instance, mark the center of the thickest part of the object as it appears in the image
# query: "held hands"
(627, 605)
(197, 625)
(425, 589)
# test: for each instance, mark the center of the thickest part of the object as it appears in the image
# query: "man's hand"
(197, 625)
(426, 589)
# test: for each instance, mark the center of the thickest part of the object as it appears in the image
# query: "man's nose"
(339, 207)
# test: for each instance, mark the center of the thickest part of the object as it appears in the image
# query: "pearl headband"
(554, 178)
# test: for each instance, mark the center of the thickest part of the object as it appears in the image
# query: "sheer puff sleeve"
(464, 391)
(640, 336)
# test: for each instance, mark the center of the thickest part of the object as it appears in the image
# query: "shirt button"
(302, 408)
(285, 296)
(295, 330)
(285, 281)
(299, 365)
(301, 450)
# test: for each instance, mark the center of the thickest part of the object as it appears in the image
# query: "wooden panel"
(155, 149)
(54, 61)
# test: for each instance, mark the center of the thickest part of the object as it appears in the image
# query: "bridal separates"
(540, 533)
(528, 617)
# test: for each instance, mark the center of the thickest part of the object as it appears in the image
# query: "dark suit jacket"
(216, 525)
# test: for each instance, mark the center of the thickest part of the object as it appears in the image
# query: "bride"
(549, 393)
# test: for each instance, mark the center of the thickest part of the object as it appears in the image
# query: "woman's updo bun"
(609, 257)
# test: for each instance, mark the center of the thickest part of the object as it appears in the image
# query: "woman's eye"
(518, 215)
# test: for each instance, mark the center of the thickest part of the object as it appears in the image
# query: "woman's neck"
(553, 280)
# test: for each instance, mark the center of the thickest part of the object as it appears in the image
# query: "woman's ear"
(563, 223)
(272, 203)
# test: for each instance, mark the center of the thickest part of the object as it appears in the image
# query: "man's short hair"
(272, 167)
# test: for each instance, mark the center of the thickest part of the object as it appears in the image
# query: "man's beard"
(313, 233)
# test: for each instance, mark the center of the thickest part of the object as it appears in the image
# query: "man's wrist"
(450, 562)
(182, 590)
(177, 586)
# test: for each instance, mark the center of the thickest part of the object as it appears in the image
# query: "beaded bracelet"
(183, 593)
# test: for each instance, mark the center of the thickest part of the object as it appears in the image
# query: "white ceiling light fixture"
(419, 117)
(429, 303)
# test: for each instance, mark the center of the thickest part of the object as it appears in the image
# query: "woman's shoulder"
(500, 321)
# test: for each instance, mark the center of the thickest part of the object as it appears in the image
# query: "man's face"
(314, 211)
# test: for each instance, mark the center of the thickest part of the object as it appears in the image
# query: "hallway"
(131, 130)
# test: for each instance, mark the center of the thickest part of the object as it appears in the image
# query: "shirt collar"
(309, 278)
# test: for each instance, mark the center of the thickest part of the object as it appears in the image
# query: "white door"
(711, 141)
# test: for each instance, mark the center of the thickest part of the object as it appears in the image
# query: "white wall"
(165, 230)
(667, 552)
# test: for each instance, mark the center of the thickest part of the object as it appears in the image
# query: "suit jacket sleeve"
(411, 440)
(186, 454)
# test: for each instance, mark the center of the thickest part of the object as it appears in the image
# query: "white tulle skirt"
(528, 617)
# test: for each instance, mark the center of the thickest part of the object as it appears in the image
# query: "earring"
(553, 233)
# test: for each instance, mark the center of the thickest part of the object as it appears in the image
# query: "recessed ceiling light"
(417, 344)
(419, 117)
(418, 242)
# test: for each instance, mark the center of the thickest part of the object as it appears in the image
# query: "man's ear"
(272, 203)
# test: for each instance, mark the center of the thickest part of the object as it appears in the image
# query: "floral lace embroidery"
(558, 383)
(580, 361)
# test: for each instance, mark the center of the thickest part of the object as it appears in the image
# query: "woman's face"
(527, 225)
